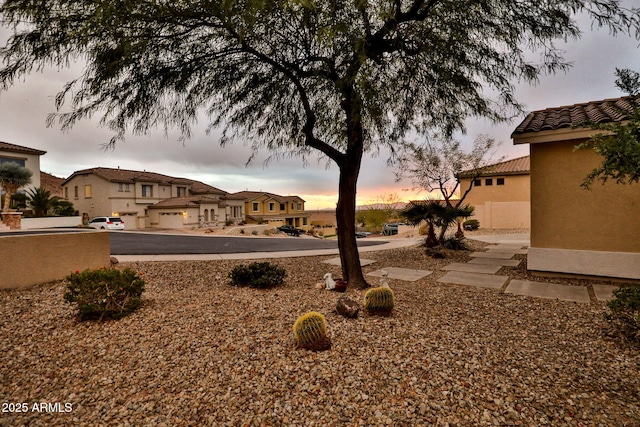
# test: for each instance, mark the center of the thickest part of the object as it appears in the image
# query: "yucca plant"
(310, 331)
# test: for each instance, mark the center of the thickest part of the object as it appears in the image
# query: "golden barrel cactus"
(379, 301)
(310, 331)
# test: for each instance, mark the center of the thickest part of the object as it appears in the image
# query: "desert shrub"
(104, 293)
(254, 232)
(455, 244)
(269, 232)
(310, 332)
(257, 275)
(228, 222)
(625, 312)
(471, 224)
(242, 231)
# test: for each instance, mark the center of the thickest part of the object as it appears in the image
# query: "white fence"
(50, 222)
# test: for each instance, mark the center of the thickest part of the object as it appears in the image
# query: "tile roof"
(607, 110)
(183, 202)
(51, 183)
(5, 146)
(130, 176)
(517, 166)
(252, 195)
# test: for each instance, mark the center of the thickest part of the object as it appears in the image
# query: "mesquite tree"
(340, 78)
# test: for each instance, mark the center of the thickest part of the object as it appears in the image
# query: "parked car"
(107, 223)
(391, 228)
(290, 230)
(361, 234)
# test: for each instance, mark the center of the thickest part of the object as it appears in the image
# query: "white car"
(107, 223)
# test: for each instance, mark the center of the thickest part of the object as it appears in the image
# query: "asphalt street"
(123, 243)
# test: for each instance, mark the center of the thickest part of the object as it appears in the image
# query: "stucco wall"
(51, 222)
(564, 215)
(501, 206)
(27, 260)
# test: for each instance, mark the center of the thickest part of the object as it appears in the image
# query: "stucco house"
(274, 209)
(148, 199)
(24, 156)
(500, 194)
(573, 230)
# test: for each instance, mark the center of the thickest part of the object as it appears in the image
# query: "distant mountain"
(382, 206)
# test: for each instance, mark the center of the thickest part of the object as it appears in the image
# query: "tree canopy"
(12, 177)
(619, 143)
(340, 77)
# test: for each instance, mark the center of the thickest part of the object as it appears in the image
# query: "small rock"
(348, 307)
(113, 260)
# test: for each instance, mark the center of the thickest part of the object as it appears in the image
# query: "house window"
(123, 187)
(304, 221)
(477, 182)
(147, 191)
(499, 181)
(75, 191)
(255, 206)
(66, 193)
(488, 181)
(299, 206)
(182, 191)
(21, 162)
(272, 206)
(87, 191)
(283, 206)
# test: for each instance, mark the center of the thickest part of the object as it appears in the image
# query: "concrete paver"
(506, 246)
(336, 261)
(474, 279)
(549, 291)
(496, 261)
(499, 255)
(401, 273)
(474, 268)
(507, 251)
(604, 292)
(523, 239)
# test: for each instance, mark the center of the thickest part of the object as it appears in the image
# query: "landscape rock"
(348, 307)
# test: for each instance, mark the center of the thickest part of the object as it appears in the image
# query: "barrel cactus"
(310, 331)
(379, 301)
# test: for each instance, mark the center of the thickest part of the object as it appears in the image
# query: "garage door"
(171, 220)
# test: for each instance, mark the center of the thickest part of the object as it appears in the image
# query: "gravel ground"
(200, 352)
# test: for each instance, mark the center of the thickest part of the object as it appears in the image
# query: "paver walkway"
(480, 271)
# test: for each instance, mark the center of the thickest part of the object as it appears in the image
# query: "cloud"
(25, 107)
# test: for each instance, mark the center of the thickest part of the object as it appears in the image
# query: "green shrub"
(228, 222)
(625, 312)
(104, 293)
(254, 232)
(257, 275)
(471, 224)
(455, 244)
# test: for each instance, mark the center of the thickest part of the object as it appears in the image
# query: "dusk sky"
(24, 108)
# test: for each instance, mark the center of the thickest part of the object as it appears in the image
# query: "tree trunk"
(346, 221)
(7, 199)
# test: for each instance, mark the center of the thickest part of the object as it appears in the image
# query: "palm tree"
(416, 212)
(40, 201)
(12, 177)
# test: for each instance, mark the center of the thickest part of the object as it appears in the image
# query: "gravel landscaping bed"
(201, 352)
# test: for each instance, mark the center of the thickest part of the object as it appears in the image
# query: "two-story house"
(148, 199)
(261, 207)
(24, 156)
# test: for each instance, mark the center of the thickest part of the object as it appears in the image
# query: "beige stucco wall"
(97, 204)
(56, 256)
(564, 215)
(501, 206)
